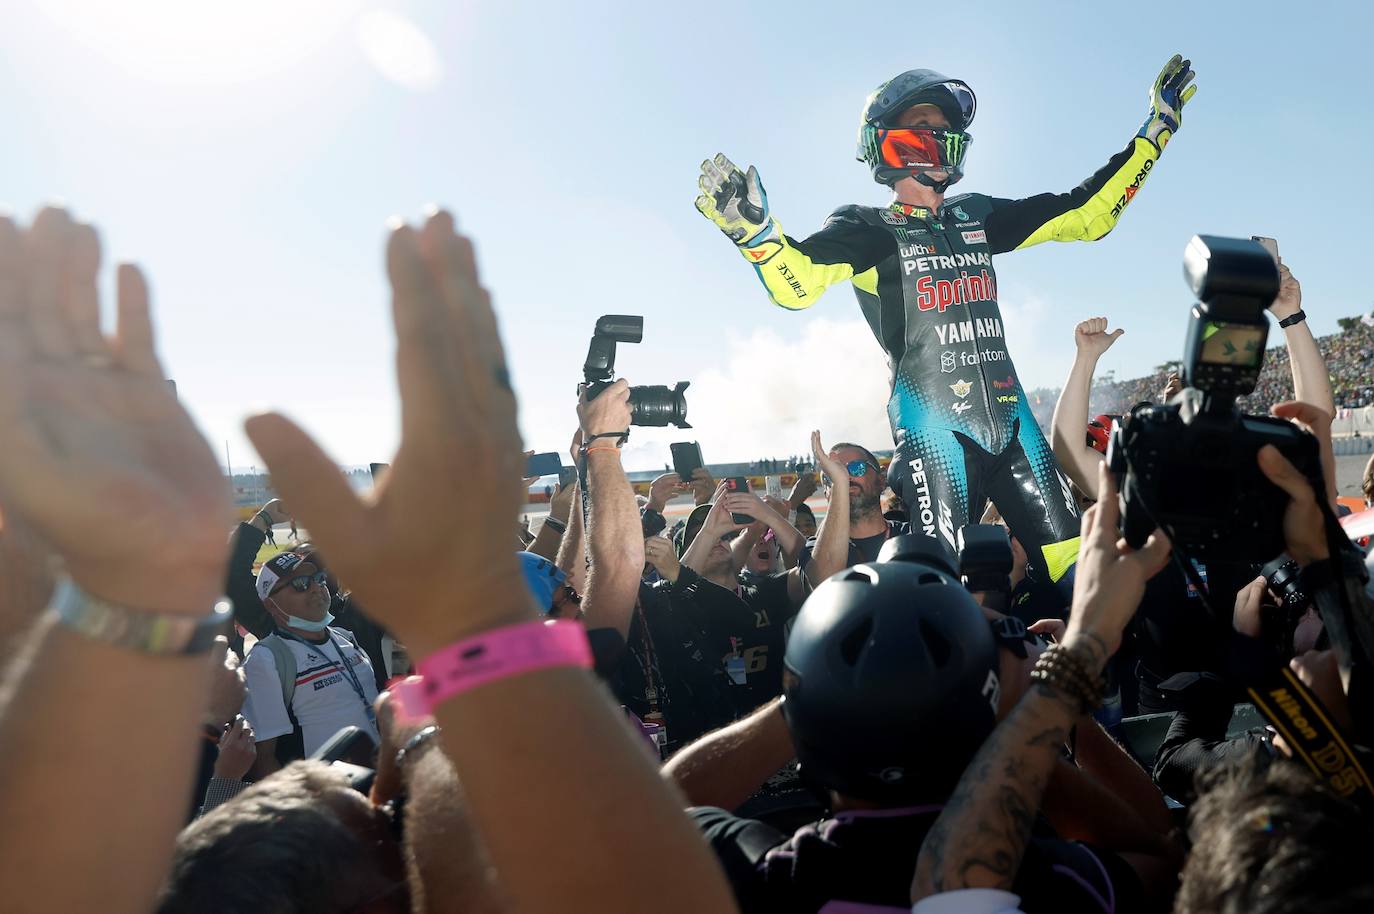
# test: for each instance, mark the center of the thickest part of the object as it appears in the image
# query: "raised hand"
(718, 521)
(737, 203)
(658, 551)
(237, 751)
(273, 513)
(703, 486)
(1168, 95)
(560, 505)
(1111, 577)
(1091, 337)
(420, 550)
(606, 413)
(101, 460)
(662, 489)
(1289, 300)
(834, 470)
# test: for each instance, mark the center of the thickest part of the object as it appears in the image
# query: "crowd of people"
(711, 715)
(425, 708)
(1348, 356)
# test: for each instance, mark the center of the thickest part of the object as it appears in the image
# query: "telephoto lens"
(658, 404)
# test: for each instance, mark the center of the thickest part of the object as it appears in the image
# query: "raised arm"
(1311, 379)
(766, 516)
(1079, 461)
(795, 273)
(717, 524)
(831, 553)
(422, 556)
(728, 766)
(107, 468)
(1092, 209)
(980, 836)
(572, 551)
(550, 536)
(615, 545)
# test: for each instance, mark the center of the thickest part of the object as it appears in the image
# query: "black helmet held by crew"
(890, 682)
(894, 152)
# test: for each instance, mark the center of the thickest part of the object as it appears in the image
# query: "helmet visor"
(922, 147)
(961, 98)
(954, 99)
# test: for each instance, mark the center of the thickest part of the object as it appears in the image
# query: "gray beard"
(864, 505)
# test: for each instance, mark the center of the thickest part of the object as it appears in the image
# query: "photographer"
(1173, 632)
(1196, 741)
(1311, 381)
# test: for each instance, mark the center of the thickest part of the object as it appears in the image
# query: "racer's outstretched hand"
(735, 201)
(1168, 95)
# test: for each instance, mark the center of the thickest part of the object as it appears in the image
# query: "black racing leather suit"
(926, 286)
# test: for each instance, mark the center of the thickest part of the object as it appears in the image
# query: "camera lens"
(658, 404)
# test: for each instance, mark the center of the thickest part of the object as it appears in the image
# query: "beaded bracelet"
(1061, 668)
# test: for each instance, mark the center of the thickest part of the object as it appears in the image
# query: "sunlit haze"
(249, 154)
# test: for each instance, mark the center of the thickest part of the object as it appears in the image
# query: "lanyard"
(346, 669)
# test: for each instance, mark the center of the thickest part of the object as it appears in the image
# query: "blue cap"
(543, 578)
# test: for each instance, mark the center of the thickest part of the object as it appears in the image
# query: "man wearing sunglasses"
(922, 270)
(855, 528)
(306, 675)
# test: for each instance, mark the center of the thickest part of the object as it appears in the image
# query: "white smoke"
(769, 393)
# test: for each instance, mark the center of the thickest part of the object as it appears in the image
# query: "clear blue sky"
(248, 155)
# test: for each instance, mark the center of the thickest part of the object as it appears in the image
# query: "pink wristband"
(501, 654)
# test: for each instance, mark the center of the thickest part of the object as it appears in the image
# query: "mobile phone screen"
(738, 484)
(543, 464)
(686, 458)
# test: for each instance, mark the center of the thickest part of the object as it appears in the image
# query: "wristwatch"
(1297, 317)
(147, 632)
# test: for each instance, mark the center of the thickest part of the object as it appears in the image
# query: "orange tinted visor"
(922, 147)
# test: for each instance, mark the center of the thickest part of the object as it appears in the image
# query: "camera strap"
(1307, 728)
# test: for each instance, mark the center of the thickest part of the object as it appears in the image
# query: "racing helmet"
(1100, 432)
(890, 682)
(894, 152)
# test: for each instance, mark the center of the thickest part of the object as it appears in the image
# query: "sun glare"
(196, 43)
(399, 50)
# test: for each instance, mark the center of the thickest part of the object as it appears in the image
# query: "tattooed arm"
(981, 834)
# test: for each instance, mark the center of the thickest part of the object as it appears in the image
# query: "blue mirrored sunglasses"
(857, 469)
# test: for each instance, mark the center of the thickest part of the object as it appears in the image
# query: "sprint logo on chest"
(969, 330)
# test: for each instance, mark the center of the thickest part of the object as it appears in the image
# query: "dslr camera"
(1188, 467)
(654, 404)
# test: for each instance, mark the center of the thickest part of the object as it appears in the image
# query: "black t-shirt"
(864, 549)
(668, 666)
(869, 858)
(747, 625)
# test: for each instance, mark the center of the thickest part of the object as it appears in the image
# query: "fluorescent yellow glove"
(737, 203)
(1167, 97)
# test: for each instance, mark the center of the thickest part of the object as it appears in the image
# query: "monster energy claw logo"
(954, 144)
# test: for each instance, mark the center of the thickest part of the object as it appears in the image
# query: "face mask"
(306, 625)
